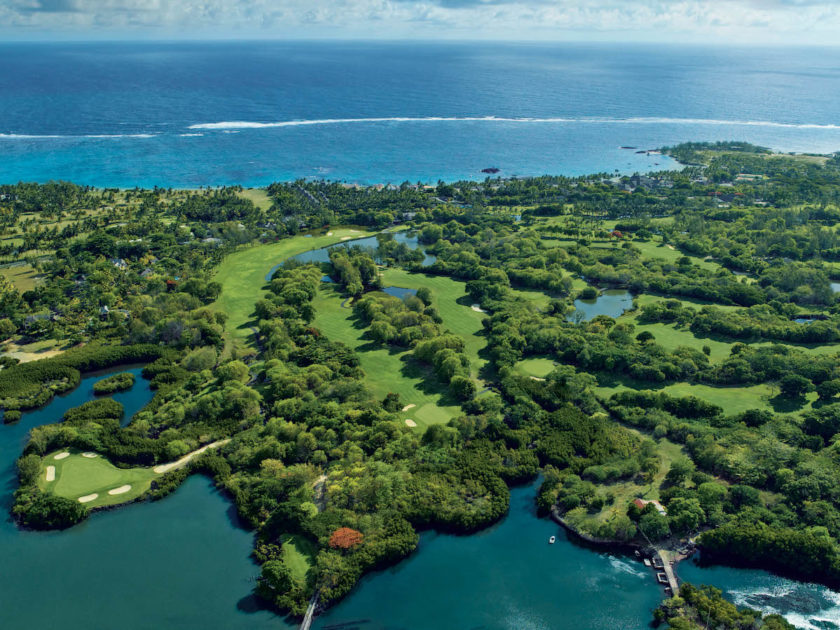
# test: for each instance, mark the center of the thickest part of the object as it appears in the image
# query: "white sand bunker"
(120, 490)
(90, 455)
(62, 455)
(345, 238)
(329, 233)
(88, 498)
(50, 473)
(409, 422)
(407, 407)
(477, 308)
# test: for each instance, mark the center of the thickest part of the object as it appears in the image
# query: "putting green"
(74, 475)
(79, 476)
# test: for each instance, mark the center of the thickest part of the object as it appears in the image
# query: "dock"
(667, 569)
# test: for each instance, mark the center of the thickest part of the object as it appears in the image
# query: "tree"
(685, 515)
(345, 538)
(462, 387)
(681, 469)
(645, 336)
(654, 525)
(794, 385)
(828, 389)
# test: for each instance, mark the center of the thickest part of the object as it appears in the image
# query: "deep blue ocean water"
(192, 114)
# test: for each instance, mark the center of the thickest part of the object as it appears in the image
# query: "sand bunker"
(162, 468)
(120, 490)
(88, 498)
(407, 407)
(345, 238)
(90, 455)
(62, 455)
(477, 308)
(329, 233)
(670, 247)
(50, 473)
(409, 422)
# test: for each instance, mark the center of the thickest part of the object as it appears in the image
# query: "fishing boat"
(551, 540)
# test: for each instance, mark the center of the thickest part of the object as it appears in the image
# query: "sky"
(777, 22)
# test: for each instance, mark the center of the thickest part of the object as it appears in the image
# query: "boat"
(551, 540)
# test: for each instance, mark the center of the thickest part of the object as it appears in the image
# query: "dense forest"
(705, 410)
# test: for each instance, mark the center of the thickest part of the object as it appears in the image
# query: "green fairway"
(539, 367)
(298, 554)
(78, 476)
(386, 369)
(670, 336)
(733, 400)
(454, 305)
(242, 276)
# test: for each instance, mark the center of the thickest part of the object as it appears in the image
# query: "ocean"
(193, 114)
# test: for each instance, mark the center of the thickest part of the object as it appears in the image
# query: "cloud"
(808, 21)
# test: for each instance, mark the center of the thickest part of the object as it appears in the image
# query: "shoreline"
(670, 557)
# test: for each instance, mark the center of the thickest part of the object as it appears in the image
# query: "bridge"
(310, 612)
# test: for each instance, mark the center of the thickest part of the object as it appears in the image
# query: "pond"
(835, 286)
(399, 292)
(612, 302)
(322, 255)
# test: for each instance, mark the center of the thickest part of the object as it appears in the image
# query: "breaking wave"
(245, 124)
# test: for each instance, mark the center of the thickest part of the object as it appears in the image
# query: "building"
(643, 503)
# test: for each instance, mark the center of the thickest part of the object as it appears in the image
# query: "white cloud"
(804, 21)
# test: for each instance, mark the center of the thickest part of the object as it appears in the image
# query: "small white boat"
(551, 540)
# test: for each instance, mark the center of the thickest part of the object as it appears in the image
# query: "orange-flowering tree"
(345, 538)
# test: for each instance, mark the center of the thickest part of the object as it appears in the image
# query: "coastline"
(669, 555)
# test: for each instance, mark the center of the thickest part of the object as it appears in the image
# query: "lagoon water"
(195, 114)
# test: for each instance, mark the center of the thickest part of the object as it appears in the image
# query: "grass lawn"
(733, 400)
(24, 277)
(539, 367)
(298, 554)
(386, 369)
(257, 195)
(624, 492)
(77, 476)
(242, 276)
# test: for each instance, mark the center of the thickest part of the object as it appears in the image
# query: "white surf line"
(88, 498)
(162, 468)
(632, 120)
(50, 473)
(62, 455)
(120, 490)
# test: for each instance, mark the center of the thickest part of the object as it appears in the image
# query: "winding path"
(180, 463)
